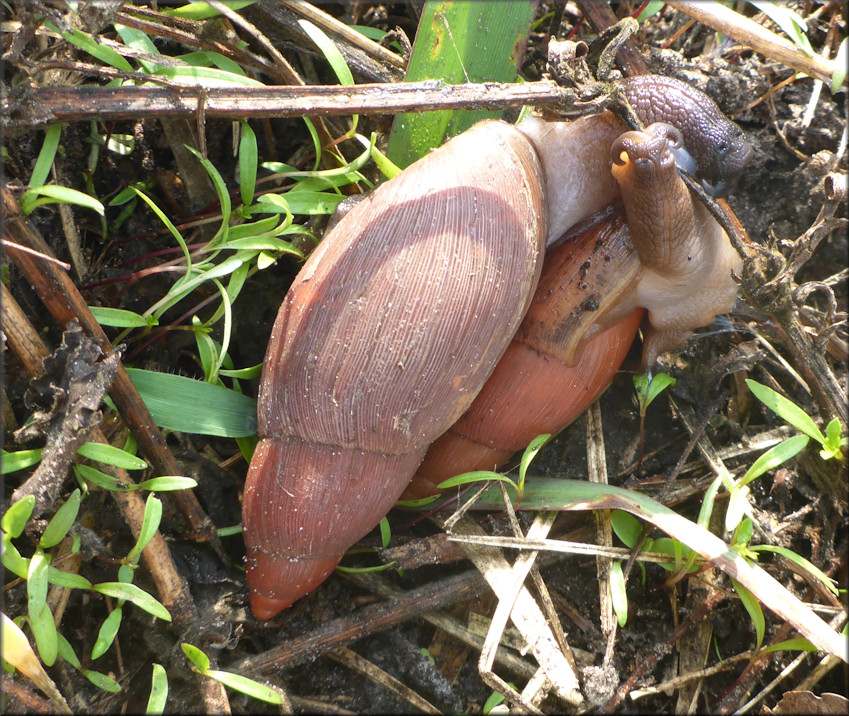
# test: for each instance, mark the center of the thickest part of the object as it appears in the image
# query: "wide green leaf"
(193, 406)
(459, 42)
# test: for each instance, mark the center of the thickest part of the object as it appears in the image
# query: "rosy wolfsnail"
(395, 322)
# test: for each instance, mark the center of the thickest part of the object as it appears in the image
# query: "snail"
(670, 257)
(397, 319)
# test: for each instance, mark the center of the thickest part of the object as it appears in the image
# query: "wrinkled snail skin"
(686, 258)
(385, 337)
(576, 155)
(716, 144)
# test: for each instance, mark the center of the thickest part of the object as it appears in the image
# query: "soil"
(776, 199)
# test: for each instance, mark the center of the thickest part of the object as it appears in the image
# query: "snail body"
(671, 258)
(394, 324)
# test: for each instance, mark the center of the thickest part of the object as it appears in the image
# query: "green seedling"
(38, 572)
(488, 475)
(648, 387)
(834, 441)
(199, 663)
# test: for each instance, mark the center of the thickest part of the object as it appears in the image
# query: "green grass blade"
(786, 409)
(132, 593)
(111, 455)
(158, 691)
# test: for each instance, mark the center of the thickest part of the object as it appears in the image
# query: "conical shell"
(385, 337)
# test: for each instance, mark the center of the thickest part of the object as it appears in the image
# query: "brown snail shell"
(385, 337)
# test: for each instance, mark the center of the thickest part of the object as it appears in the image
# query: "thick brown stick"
(62, 104)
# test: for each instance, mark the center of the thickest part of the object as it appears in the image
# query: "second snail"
(398, 320)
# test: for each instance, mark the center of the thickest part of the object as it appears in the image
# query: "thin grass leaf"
(788, 20)
(226, 332)
(207, 348)
(102, 681)
(107, 633)
(313, 203)
(840, 63)
(316, 141)
(61, 522)
(229, 531)
(786, 409)
(798, 559)
(14, 461)
(132, 593)
(706, 510)
(66, 651)
(833, 441)
(618, 594)
(753, 606)
(529, 454)
(222, 192)
(388, 168)
(203, 10)
(150, 524)
(53, 194)
(421, 502)
(247, 163)
(385, 532)
(168, 225)
(476, 476)
(797, 644)
(37, 583)
(208, 58)
(186, 285)
(69, 580)
(252, 688)
(365, 570)
(264, 243)
(101, 479)
(251, 228)
(168, 483)
(158, 691)
(138, 40)
(121, 318)
(111, 455)
(250, 373)
(16, 517)
(46, 155)
(330, 51)
(12, 559)
(650, 10)
(774, 457)
(627, 527)
(208, 77)
(44, 631)
(88, 44)
(196, 656)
